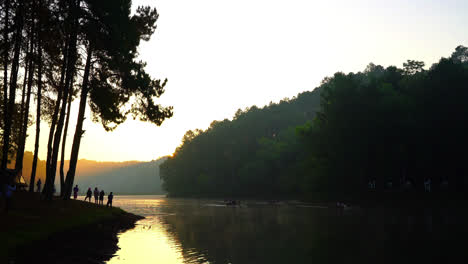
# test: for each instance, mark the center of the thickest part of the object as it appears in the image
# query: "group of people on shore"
(98, 196)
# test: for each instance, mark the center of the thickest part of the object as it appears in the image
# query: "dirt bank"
(37, 231)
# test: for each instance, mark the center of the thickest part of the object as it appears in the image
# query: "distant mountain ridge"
(126, 178)
(88, 170)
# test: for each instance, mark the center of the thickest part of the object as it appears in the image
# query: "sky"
(224, 55)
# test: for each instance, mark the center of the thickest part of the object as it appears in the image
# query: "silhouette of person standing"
(101, 197)
(8, 194)
(38, 184)
(88, 194)
(109, 199)
(96, 195)
(75, 192)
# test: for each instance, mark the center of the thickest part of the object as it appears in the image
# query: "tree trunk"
(55, 114)
(72, 57)
(25, 108)
(58, 133)
(24, 127)
(25, 82)
(38, 111)
(13, 80)
(5, 85)
(23, 94)
(64, 141)
(79, 129)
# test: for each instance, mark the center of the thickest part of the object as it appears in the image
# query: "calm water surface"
(205, 231)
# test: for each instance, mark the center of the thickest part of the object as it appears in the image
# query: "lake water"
(205, 231)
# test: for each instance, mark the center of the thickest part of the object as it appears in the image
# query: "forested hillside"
(396, 127)
(245, 156)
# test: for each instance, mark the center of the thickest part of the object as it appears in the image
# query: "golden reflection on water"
(148, 242)
(195, 231)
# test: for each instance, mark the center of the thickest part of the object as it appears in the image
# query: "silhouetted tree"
(112, 76)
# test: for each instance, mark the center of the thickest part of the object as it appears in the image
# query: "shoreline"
(60, 231)
(93, 243)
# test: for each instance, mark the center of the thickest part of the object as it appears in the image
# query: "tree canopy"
(58, 50)
(395, 127)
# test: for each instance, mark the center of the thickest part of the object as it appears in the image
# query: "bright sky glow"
(221, 55)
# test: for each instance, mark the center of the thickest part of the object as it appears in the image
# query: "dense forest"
(383, 129)
(239, 157)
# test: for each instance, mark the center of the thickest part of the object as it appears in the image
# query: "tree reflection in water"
(198, 231)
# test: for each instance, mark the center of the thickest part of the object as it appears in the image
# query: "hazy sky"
(222, 55)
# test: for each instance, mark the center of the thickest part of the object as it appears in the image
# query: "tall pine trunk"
(25, 109)
(64, 141)
(13, 80)
(25, 82)
(72, 57)
(55, 114)
(5, 84)
(38, 110)
(25, 118)
(79, 128)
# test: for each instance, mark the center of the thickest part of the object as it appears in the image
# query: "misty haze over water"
(206, 231)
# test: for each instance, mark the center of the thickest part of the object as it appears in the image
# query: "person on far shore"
(101, 197)
(88, 194)
(75, 192)
(96, 195)
(109, 199)
(38, 184)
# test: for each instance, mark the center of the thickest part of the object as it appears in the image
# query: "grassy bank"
(32, 219)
